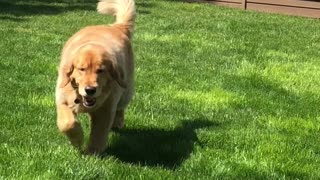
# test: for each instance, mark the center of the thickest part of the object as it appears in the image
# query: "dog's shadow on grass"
(157, 147)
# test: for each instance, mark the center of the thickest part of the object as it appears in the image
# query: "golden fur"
(96, 77)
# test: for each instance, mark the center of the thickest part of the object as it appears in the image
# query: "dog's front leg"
(68, 125)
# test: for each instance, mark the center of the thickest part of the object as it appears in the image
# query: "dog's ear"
(117, 74)
(115, 71)
(65, 74)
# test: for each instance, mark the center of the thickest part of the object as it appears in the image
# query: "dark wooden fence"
(307, 8)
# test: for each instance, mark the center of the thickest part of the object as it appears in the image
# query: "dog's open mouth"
(89, 102)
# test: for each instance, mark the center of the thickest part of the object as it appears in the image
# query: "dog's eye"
(100, 70)
(82, 69)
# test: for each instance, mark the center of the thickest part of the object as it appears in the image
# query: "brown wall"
(307, 8)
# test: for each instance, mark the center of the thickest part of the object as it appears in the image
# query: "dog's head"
(91, 72)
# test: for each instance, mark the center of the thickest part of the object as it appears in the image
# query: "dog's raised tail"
(123, 10)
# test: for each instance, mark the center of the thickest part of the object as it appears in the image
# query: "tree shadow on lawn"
(16, 10)
(157, 147)
(39, 8)
(144, 7)
(11, 18)
(186, 1)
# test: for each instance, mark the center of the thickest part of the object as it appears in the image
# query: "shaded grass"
(166, 148)
(220, 93)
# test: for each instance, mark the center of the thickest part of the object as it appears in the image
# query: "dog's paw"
(92, 151)
(117, 126)
(118, 121)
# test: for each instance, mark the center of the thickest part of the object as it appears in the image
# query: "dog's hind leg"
(68, 125)
(118, 120)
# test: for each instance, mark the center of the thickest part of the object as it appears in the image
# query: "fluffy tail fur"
(123, 10)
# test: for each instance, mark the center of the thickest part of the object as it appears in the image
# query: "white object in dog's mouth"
(89, 102)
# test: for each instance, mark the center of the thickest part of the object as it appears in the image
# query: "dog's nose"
(90, 90)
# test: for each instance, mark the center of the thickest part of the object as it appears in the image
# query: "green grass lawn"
(220, 93)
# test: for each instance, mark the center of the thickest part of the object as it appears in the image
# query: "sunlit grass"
(220, 93)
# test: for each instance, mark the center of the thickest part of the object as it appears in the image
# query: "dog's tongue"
(88, 101)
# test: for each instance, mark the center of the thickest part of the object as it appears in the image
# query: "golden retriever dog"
(96, 77)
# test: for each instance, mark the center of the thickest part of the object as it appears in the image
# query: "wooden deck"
(306, 8)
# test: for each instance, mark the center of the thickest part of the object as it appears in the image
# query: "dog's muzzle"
(89, 102)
